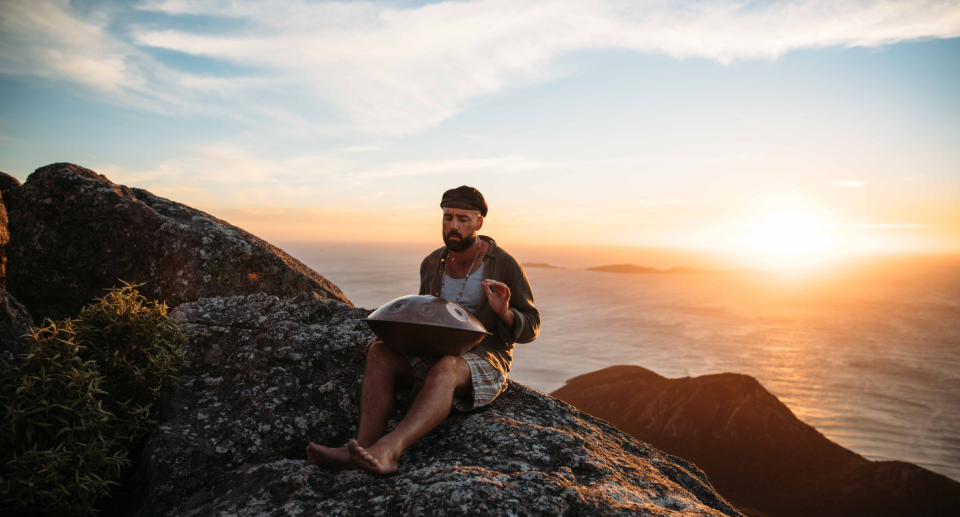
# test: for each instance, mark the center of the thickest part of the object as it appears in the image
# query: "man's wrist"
(507, 317)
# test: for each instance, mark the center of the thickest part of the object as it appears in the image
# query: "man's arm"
(498, 295)
(512, 300)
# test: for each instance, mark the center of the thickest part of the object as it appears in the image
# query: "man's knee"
(451, 367)
(378, 352)
(381, 355)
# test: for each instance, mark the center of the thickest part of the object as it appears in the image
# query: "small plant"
(83, 396)
(57, 455)
(136, 348)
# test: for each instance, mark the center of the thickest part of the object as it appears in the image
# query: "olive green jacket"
(501, 266)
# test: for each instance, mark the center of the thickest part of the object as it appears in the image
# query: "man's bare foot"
(375, 460)
(329, 458)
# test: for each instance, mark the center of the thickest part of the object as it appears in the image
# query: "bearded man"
(473, 271)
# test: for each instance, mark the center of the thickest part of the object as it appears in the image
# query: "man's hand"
(370, 343)
(498, 294)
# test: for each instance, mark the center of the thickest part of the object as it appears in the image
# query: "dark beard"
(463, 245)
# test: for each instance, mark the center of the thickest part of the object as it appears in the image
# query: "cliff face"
(269, 375)
(752, 447)
(8, 191)
(75, 233)
(15, 321)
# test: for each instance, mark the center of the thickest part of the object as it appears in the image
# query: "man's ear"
(479, 222)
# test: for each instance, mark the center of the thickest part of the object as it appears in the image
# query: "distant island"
(542, 265)
(634, 269)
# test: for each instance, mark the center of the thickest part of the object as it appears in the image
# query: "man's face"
(460, 227)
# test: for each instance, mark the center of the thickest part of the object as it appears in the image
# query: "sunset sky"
(773, 130)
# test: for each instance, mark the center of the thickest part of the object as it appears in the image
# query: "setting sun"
(788, 234)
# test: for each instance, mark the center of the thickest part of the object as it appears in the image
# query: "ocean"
(870, 356)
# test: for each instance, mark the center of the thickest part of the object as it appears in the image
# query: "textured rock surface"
(4, 240)
(753, 448)
(15, 322)
(74, 233)
(270, 375)
(9, 188)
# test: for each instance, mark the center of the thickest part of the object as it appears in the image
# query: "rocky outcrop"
(9, 188)
(75, 233)
(15, 323)
(753, 448)
(270, 375)
(4, 240)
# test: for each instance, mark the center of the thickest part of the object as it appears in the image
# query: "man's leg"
(384, 369)
(450, 374)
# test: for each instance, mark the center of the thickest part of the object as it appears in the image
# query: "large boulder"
(755, 450)
(270, 375)
(75, 233)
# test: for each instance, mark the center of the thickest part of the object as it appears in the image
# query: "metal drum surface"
(426, 326)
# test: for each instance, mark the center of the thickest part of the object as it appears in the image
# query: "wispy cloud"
(49, 40)
(663, 202)
(846, 183)
(228, 174)
(389, 70)
(225, 174)
(887, 226)
(364, 148)
(45, 39)
(512, 164)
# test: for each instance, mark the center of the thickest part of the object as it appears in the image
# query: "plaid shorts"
(488, 382)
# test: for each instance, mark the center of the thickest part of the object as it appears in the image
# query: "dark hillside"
(753, 449)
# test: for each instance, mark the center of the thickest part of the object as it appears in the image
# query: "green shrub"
(136, 348)
(76, 402)
(57, 451)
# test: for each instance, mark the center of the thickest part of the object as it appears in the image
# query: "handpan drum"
(426, 326)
